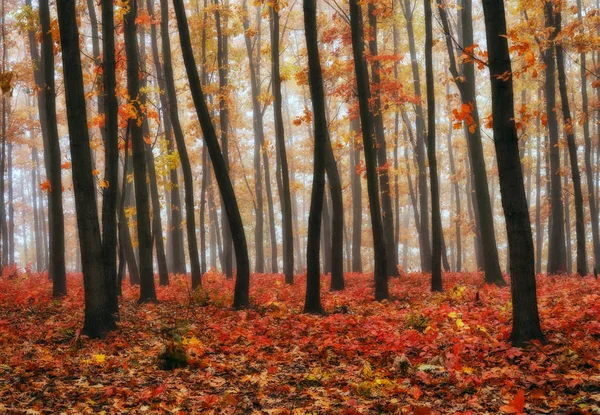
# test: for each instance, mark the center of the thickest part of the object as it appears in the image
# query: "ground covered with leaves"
(418, 353)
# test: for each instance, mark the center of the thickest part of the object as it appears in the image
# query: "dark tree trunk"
(589, 172)
(467, 89)
(539, 230)
(175, 247)
(157, 232)
(337, 219)
(326, 234)
(356, 198)
(570, 133)
(458, 214)
(526, 324)
(53, 167)
(125, 244)
(188, 179)
(424, 243)
(147, 289)
(312, 302)
(223, 62)
(37, 222)
(11, 209)
(241, 293)
(567, 207)
(111, 153)
(436, 219)
(98, 315)
(384, 178)
(285, 194)
(362, 80)
(557, 255)
(257, 124)
(205, 173)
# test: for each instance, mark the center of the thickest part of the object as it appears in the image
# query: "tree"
(111, 154)
(356, 198)
(98, 314)
(436, 219)
(575, 175)
(526, 324)
(147, 289)
(312, 302)
(465, 83)
(241, 293)
(53, 160)
(557, 255)
(283, 170)
(362, 81)
(188, 180)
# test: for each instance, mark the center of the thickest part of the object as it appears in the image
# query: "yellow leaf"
(100, 358)
(459, 323)
(452, 314)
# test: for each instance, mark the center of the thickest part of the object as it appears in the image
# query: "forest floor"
(418, 353)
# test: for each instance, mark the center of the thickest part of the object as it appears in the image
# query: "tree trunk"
(241, 292)
(567, 224)
(337, 219)
(362, 80)
(188, 179)
(53, 167)
(589, 172)
(458, 215)
(39, 252)
(223, 62)
(424, 242)
(557, 255)
(147, 289)
(356, 198)
(436, 219)
(570, 133)
(539, 230)
(98, 316)
(384, 178)
(175, 246)
(312, 302)
(526, 324)
(111, 153)
(326, 234)
(285, 194)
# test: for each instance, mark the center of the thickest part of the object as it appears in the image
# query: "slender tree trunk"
(458, 214)
(53, 168)
(362, 80)
(356, 198)
(467, 89)
(223, 62)
(570, 133)
(424, 242)
(241, 292)
(589, 172)
(175, 246)
(337, 219)
(312, 302)
(39, 253)
(557, 255)
(205, 173)
(111, 152)
(539, 230)
(285, 194)
(98, 315)
(526, 324)
(384, 178)
(186, 168)
(326, 234)
(567, 207)
(436, 219)
(147, 289)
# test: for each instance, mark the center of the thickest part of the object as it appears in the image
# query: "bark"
(111, 152)
(589, 172)
(436, 219)
(285, 194)
(569, 128)
(39, 253)
(241, 295)
(526, 324)
(557, 255)
(205, 173)
(356, 199)
(567, 224)
(326, 234)
(384, 178)
(188, 179)
(424, 242)
(458, 214)
(312, 303)
(466, 86)
(337, 219)
(362, 80)
(539, 230)
(175, 246)
(98, 316)
(257, 124)
(223, 62)
(53, 167)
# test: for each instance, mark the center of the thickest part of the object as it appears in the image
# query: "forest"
(299, 207)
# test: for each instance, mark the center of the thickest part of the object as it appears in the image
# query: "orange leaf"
(66, 165)
(519, 401)
(416, 392)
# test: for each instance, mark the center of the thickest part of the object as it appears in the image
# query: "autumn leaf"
(66, 165)
(517, 405)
